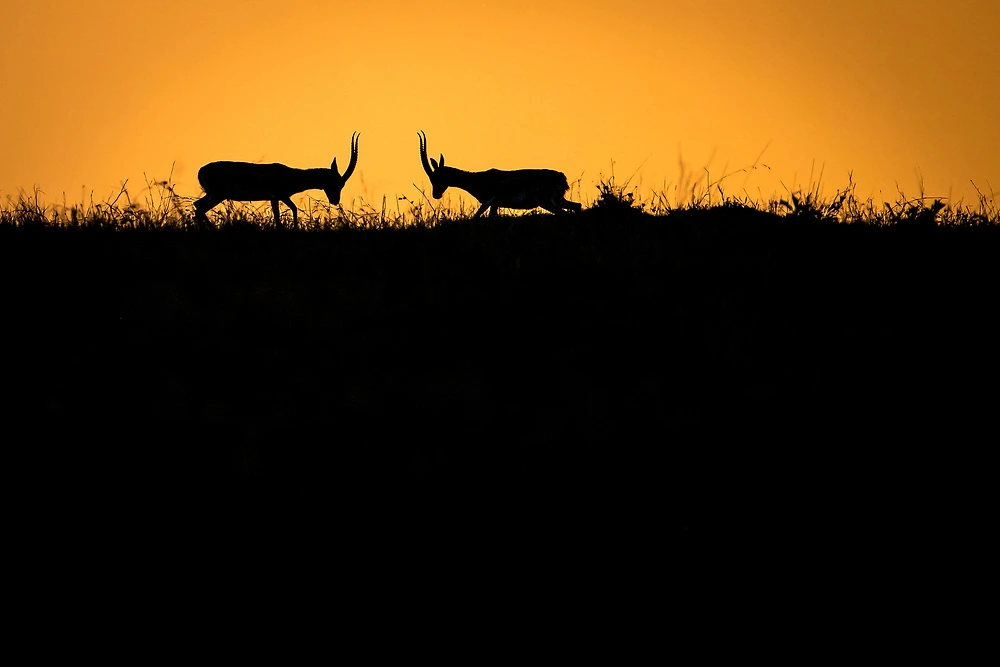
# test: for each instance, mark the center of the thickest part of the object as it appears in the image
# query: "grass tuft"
(161, 207)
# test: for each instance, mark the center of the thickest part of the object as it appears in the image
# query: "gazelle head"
(438, 175)
(336, 183)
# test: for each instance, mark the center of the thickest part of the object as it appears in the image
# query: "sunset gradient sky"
(895, 91)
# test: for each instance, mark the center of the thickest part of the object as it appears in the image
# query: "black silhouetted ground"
(701, 387)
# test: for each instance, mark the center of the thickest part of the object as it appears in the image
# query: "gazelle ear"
(333, 166)
(434, 164)
(442, 159)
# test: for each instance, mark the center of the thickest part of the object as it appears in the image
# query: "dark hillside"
(691, 386)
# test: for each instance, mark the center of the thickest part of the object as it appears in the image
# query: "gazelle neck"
(317, 178)
(469, 181)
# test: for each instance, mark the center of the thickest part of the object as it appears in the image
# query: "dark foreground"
(572, 395)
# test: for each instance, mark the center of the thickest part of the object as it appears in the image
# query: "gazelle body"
(496, 188)
(248, 181)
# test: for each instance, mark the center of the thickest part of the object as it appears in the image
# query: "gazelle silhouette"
(496, 188)
(248, 181)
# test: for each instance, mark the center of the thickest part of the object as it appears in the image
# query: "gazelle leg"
(576, 207)
(560, 206)
(204, 205)
(555, 205)
(294, 209)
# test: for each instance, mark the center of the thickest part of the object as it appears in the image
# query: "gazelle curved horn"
(354, 156)
(423, 152)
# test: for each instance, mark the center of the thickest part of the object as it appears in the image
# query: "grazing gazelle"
(248, 181)
(496, 189)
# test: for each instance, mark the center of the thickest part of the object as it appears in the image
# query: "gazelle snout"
(333, 195)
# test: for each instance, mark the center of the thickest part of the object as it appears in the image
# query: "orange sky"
(893, 90)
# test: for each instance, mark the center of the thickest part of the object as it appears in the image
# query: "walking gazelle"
(248, 181)
(496, 188)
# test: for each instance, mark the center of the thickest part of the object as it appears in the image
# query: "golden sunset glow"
(896, 93)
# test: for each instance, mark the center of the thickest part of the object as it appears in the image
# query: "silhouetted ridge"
(718, 376)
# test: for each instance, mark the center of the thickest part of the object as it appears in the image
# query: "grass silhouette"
(661, 381)
(163, 208)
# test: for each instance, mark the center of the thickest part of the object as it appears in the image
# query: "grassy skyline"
(161, 206)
